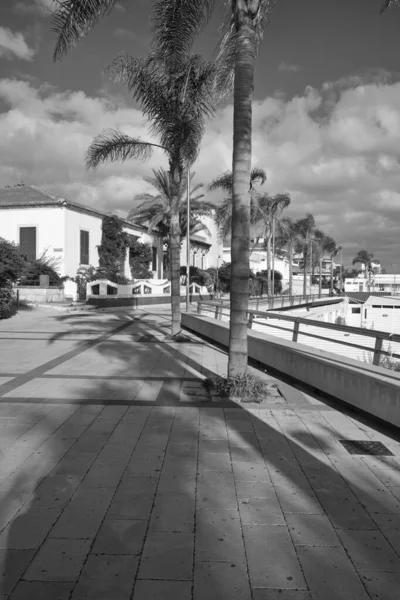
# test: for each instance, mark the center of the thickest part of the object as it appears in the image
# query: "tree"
(365, 259)
(334, 252)
(13, 263)
(112, 249)
(154, 211)
(223, 212)
(140, 256)
(288, 238)
(174, 88)
(305, 229)
(324, 244)
(270, 208)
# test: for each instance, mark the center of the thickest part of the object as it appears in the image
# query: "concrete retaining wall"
(41, 295)
(374, 390)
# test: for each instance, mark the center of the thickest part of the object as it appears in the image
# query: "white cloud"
(43, 8)
(339, 160)
(13, 45)
(289, 68)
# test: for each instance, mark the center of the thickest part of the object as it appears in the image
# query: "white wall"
(74, 222)
(49, 223)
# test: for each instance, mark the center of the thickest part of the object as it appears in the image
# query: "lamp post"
(216, 283)
(188, 244)
(394, 286)
(273, 257)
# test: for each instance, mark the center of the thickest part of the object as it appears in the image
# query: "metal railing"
(220, 310)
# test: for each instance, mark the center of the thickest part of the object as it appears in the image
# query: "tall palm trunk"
(273, 258)
(320, 278)
(269, 271)
(305, 254)
(241, 167)
(175, 263)
(331, 275)
(290, 270)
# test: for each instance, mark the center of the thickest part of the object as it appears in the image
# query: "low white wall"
(41, 295)
(374, 390)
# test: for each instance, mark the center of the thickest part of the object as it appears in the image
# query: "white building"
(389, 282)
(71, 232)
(68, 231)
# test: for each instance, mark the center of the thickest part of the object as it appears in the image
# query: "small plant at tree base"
(246, 389)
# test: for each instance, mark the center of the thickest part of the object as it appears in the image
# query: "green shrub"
(12, 263)
(197, 276)
(44, 265)
(112, 249)
(140, 257)
(249, 388)
(6, 301)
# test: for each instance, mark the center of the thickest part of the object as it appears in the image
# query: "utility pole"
(273, 257)
(188, 244)
(394, 286)
(216, 283)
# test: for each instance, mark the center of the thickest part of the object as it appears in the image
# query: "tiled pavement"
(121, 480)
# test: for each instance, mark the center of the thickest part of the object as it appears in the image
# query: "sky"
(326, 115)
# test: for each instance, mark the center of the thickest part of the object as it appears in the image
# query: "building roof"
(23, 196)
(383, 300)
(364, 296)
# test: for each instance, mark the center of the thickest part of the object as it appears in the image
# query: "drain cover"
(365, 447)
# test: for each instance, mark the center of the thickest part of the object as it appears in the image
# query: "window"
(27, 241)
(154, 260)
(84, 255)
(356, 310)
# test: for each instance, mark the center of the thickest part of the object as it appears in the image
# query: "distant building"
(378, 282)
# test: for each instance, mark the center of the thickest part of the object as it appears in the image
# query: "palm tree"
(334, 252)
(270, 208)
(365, 258)
(223, 212)
(305, 228)
(174, 88)
(287, 237)
(154, 210)
(324, 244)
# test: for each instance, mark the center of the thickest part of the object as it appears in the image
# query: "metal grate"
(368, 448)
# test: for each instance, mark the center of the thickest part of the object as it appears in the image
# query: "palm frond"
(389, 4)
(73, 20)
(175, 25)
(114, 146)
(222, 182)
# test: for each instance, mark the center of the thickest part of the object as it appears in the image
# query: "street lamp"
(216, 283)
(394, 286)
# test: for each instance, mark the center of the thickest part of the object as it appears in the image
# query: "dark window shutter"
(27, 241)
(84, 258)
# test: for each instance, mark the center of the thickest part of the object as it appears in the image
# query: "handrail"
(379, 336)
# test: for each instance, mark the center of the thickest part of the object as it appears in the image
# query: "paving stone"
(30, 590)
(261, 511)
(184, 483)
(221, 581)
(125, 506)
(173, 512)
(218, 536)
(83, 515)
(254, 489)
(210, 461)
(162, 590)
(344, 510)
(216, 489)
(280, 594)
(296, 499)
(105, 577)
(381, 586)
(213, 446)
(13, 565)
(246, 455)
(28, 529)
(271, 557)
(311, 530)
(55, 491)
(369, 551)
(103, 475)
(250, 472)
(58, 560)
(330, 574)
(120, 536)
(138, 486)
(167, 556)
